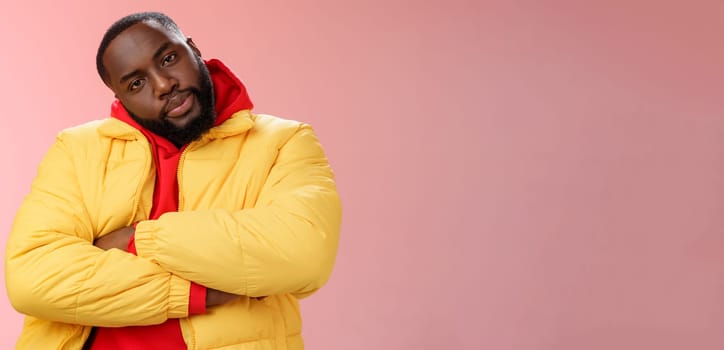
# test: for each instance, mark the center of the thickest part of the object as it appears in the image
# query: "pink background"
(515, 174)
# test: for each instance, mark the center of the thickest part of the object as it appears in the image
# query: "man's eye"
(135, 84)
(169, 58)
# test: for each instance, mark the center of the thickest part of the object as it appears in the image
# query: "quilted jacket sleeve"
(287, 243)
(53, 271)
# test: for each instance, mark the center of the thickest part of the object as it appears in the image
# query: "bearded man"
(183, 221)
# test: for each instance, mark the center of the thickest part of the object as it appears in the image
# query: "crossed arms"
(285, 244)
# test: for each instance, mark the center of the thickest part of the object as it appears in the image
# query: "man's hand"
(117, 239)
(216, 297)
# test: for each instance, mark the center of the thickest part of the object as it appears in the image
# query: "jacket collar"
(238, 123)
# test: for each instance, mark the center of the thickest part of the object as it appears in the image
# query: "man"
(182, 221)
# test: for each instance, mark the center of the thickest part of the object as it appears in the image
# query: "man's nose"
(163, 84)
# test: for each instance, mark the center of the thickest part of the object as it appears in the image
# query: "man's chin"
(192, 114)
(181, 122)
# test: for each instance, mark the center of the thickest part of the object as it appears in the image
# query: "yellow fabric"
(259, 215)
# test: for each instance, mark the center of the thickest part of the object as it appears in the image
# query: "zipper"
(179, 168)
(179, 179)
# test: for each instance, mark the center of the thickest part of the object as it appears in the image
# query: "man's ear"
(193, 47)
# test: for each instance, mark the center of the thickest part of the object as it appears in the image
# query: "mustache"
(169, 99)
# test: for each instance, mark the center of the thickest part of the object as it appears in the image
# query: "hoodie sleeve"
(54, 272)
(287, 243)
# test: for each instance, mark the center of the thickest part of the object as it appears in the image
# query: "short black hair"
(124, 23)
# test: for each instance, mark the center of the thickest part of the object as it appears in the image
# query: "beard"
(196, 127)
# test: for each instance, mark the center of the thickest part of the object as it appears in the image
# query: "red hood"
(230, 93)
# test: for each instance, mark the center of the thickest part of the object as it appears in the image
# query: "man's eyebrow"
(129, 75)
(161, 49)
(158, 53)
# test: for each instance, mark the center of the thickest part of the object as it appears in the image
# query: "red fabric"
(231, 96)
(199, 306)
(131, 247)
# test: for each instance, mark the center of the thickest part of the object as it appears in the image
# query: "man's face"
(161, 80)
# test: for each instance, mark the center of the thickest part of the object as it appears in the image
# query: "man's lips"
(179, 105)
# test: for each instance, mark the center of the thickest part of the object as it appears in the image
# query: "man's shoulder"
(274, 129)
(83, 130)
(273, 123)
(93, 130)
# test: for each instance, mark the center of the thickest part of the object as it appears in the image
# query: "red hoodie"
(231, 97)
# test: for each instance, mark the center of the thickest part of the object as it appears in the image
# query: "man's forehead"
(144, 33)
(137, 43)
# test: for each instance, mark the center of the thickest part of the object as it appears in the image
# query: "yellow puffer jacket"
(259, 215)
